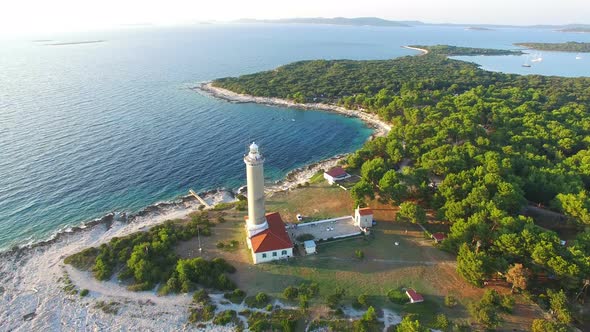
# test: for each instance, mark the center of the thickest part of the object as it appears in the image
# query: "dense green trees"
(476, 146)
(411, 212)
(560, 47)
(148, 258)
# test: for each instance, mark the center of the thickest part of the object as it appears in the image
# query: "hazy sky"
(18, 16)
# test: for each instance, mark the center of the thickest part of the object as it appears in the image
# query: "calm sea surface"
(92, 128)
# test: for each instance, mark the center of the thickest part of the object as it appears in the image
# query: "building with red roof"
(363, 217)
(414, 296)
(336, 174)
(438, 237)
(272, 243)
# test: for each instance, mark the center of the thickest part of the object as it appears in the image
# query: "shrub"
(333, 300)
(450, 301)
(363, 300)
(84, 260)
(542, 325)
(223, 206)
(237, 296)
(201, 314)
(309, 289)
(220, 245)
(303, 302)
(305, 237)
(84, 292)
(241, 205)
(397, 296)
(291, 293)
(359, 254)
(262, 298)
(507, 304)
(258, 301)
(442, 322)
(224, 317)
(201, 296)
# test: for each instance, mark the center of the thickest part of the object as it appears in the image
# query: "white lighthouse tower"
(256, 221)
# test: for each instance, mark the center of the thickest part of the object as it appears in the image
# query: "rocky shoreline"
(30, 275)
(372, 120)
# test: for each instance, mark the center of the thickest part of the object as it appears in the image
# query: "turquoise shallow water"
(114, 126)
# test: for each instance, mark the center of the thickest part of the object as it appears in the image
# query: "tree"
(361, 190)
(518, 275)
(559, 306)
(471, 265)
(373, 170)
(391, 186)
(359, 254)
(442, 322)
(334, 299)
(370, 315)
(410, 325)
(543, 325)
(303, 301)
(363, 300)
(486, 311)
(576, 206)
(291, 293)
(412, 212)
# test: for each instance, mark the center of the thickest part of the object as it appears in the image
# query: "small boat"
(538, 58)
(526, 62)
(578, 57)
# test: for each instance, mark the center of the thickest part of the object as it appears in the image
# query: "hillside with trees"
(571, 46)
(481, 145)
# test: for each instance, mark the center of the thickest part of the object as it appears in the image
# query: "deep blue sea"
(92, 128)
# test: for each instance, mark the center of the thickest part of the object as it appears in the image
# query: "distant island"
(479, 29)
(558, 47)
(75, 43)
(357, 21)
(448, 50)
(578, 30)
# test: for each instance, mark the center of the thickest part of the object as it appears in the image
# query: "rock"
(29, 316)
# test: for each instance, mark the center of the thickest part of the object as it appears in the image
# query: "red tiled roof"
(439, 236)
(336, 172)
(414, 297)
(365, 211)
(275, 237)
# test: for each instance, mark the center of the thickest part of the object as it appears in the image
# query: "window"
(284, 252)
(274, 253)
(263, 255)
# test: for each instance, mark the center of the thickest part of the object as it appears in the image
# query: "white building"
(336, 174)
(363, 217)
(267, 238)
(310, 247)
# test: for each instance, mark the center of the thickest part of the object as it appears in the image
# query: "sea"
(89, 129)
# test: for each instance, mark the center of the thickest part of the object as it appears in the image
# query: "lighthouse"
(255, 182)
(267, 237)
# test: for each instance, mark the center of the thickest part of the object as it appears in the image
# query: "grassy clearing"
(318, 201)
(414, 262)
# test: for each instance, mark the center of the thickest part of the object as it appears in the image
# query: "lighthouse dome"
(253, 148)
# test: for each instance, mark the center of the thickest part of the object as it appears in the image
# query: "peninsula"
(458, 186)
(462, 129)
(574, 47)
(75, 43)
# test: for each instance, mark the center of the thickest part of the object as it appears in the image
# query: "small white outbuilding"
(310, 247)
